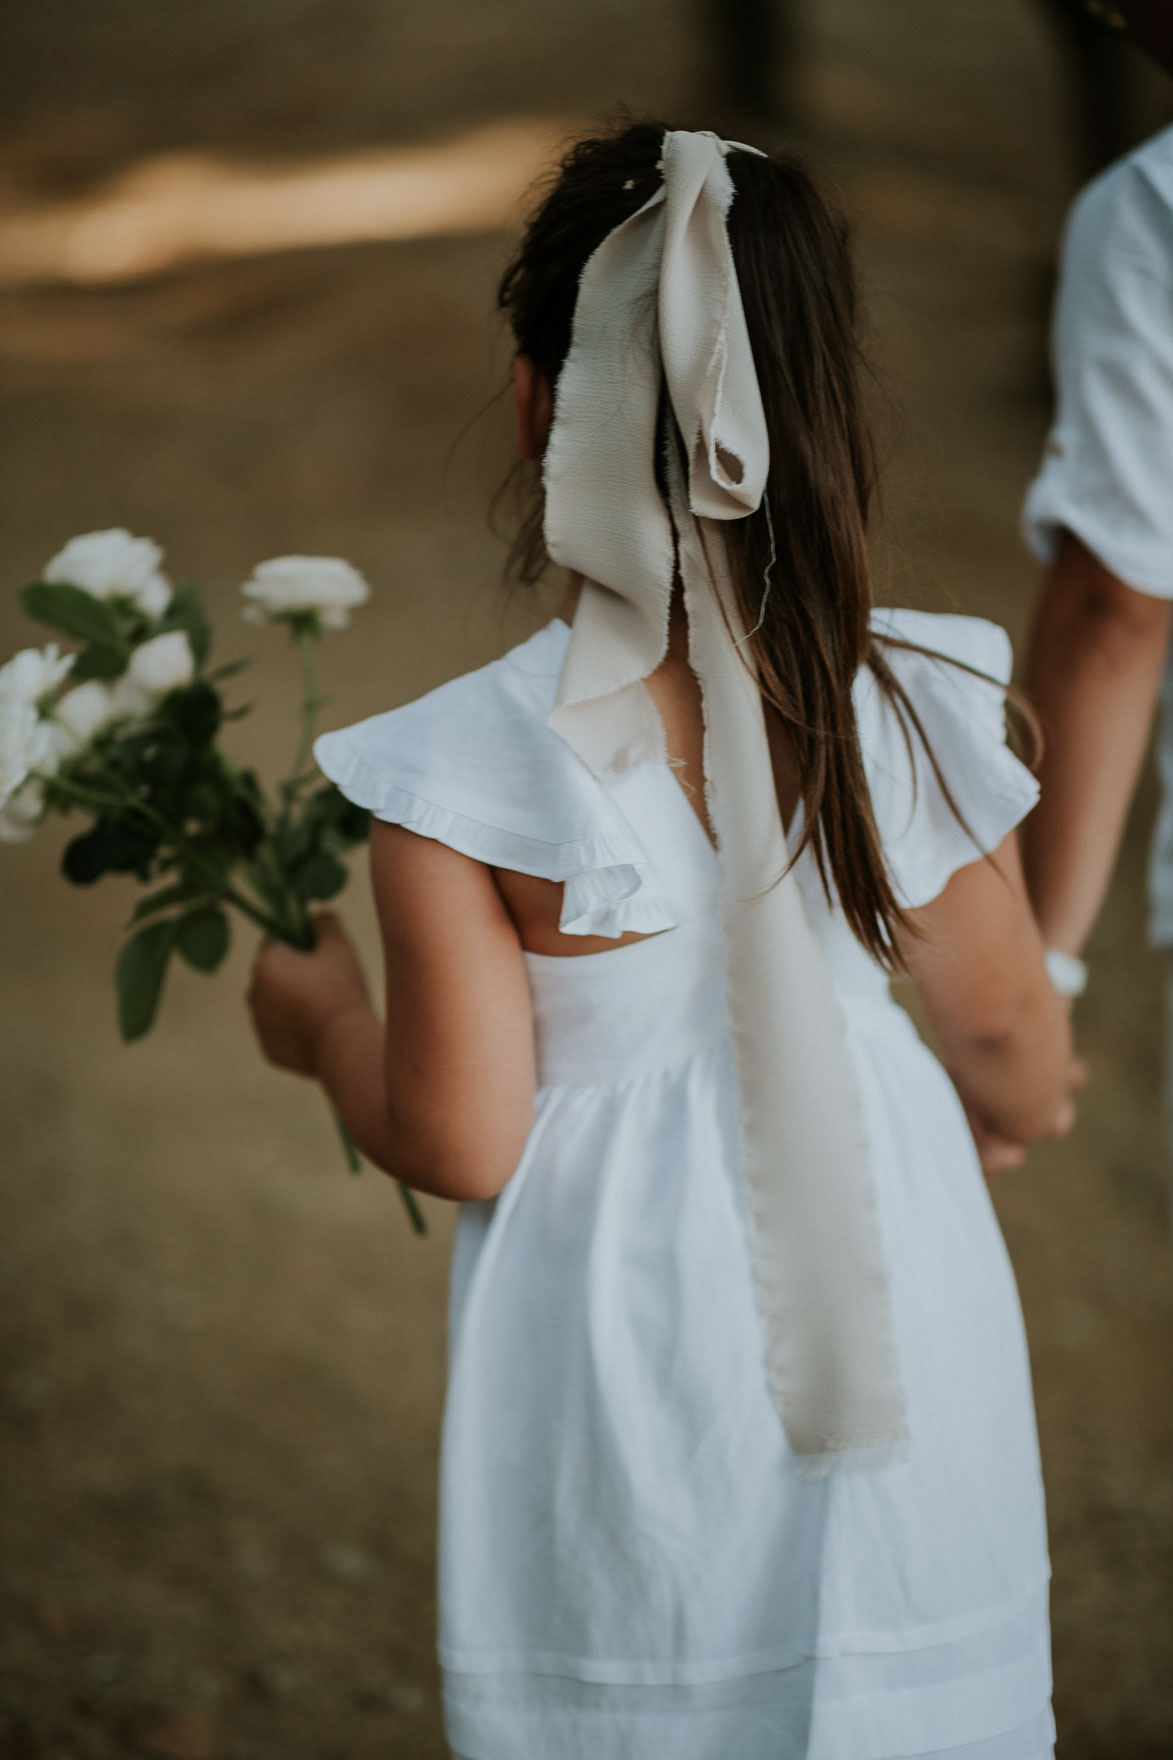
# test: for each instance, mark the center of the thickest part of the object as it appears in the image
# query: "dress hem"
(613, 1673)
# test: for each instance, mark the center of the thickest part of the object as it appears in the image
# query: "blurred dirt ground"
(222, 1358)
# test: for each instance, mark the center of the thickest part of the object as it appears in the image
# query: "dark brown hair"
(812, 632)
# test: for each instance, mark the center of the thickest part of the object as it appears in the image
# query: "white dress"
(631, 1565)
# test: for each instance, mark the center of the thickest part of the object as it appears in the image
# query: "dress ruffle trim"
(964, 719)
(605, 893)
(614, 901)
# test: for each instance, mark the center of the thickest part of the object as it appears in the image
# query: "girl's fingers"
(999, 1155)
(1061, 1121)
(292, 992)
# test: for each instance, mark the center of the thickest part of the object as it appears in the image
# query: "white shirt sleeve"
(1107, 468)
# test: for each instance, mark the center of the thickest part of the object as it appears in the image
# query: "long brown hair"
(811, 631)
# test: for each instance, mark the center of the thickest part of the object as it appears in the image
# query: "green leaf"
(352, 824)
(73, 612)
(160, 901)
(293, 844)
(98, 661)
(202, 803)
(229, 669)
(203, 938)
(195, 710)
(242, 823)
(107, 848)
(329, 814)
(126, 749)
(320, 878)
(142, 966)
(166, 764)
(186, 612)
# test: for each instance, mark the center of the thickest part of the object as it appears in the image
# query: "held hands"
(294, 995)
(999, 1154)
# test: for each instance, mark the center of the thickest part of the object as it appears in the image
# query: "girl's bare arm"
(441, 1094)
(1004, 1033)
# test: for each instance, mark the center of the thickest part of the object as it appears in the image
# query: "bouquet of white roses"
(125, 729)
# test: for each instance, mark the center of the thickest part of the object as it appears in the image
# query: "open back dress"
(632, 1564)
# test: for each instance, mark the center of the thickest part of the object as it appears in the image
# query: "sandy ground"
(222, 1357)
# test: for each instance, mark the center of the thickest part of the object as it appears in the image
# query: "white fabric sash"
(660, 295)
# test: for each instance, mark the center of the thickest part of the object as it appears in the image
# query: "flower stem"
(354, 1162)
(414, 1214)
(305, 635)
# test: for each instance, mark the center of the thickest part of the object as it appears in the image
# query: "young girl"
(739, 1458)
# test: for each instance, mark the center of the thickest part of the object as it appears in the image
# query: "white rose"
(26, 745)
(79, 715)
(156, 667)
(128, 701)
(114, 565)
(21, 813)
(162, 664)
(299, 586)
(34, 672)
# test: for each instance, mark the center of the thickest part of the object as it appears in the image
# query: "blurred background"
(248, 251)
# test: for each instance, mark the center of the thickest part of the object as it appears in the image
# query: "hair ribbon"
(659, 304)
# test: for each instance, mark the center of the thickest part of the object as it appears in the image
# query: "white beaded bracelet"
(1067, 974)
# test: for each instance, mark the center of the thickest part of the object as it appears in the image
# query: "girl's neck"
(677, 620)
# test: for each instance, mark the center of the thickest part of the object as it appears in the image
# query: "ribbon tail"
(818, 1258)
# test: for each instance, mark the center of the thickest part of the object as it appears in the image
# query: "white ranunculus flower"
(21, 813)
(114, 565)
(80, 714)
(162, 664)
(288, 587)
(26, 745)
(34, 672)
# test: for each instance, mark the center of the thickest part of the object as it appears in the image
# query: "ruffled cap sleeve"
(474, 766)
(963, 717)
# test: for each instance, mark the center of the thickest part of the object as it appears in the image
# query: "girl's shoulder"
(940, 808)
(473, 765)
(476, 749)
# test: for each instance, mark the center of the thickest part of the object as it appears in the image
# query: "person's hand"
(1074, 1082)
(999, 1154)
(996, 1154)
(293, 994)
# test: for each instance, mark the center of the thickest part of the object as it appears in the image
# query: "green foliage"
(241, 823)
(230, 668)
(194, 711)
(111, 846)
(319, 877)
(139, 975)
(74, 613)
(186, 612)
(155, 902)
(328, 819)
(97, 660)
(167, 805)
(202, 938)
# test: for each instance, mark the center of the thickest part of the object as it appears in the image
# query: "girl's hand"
(293, 994)
(999, 1154)
(996, 1154)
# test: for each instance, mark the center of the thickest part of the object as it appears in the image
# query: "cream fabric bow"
(660, 297)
